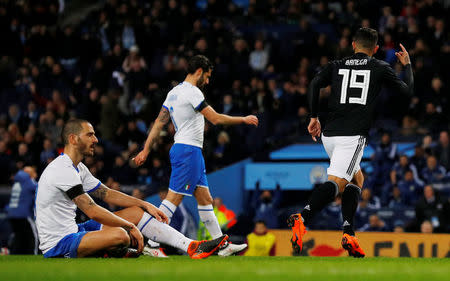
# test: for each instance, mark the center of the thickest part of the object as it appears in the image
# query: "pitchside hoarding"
(375, 244)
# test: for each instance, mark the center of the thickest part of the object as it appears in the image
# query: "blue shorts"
(188, 169)
(67, 247)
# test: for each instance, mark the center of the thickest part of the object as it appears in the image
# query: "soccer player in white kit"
(66, 184)
(185, 104)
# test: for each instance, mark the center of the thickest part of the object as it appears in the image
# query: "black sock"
(320, 197)
(350, 199)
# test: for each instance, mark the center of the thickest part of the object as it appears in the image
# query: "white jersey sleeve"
(90, 183)
(66, 178)
(195, 97)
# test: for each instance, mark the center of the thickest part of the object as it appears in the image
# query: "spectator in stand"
(401, 167)
(23, 157)
(20, 212)
(259, 57)
(266, 205)
(229, 214)
(426, 227)
(260, 241)
(369, 201)
(442, 150)
(383, 160)
(418, 159)
(430, 207)
(121, 171)
(410, 188)
(222, 151)
(374, 224)
(433, 173)
(432, 121)
(398, 200)
(48, 154)
(367, 206)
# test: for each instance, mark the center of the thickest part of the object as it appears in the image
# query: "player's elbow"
(215, 120)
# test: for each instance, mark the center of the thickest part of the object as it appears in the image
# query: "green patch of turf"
(215, 268)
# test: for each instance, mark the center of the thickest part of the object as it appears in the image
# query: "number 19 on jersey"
(353, 74)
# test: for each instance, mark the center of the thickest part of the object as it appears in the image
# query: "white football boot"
(154, 252)
(229, 249)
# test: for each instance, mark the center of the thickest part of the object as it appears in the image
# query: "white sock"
(162, 233)
(209, 219)
(168, 208)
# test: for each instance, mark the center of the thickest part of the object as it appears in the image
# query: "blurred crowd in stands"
(116, 65)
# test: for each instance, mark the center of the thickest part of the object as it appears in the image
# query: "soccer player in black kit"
(355, 82)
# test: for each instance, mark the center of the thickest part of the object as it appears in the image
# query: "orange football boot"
(203, 249)
(350, 243)
(295, 221)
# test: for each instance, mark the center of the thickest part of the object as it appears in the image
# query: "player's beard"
(201, 82)
(85, 149)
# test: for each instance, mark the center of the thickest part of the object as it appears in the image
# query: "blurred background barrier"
(375, 244)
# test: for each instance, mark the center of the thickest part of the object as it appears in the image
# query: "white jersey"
(55, 212)
(182, 102)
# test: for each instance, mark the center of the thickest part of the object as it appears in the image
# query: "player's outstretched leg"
(320, 197)
(153, 248)
(163, 233)
(350, 199)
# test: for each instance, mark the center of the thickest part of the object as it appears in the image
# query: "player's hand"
(137, 240)
(314, 128)
(155, 212)
(403, 56)
(251, 120)
(140, 158)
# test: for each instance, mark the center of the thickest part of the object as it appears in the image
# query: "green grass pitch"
(37, 268)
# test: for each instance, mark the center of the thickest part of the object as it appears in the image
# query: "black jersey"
(355, 82)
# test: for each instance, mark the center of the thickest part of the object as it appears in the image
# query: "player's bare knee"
(121, 237)
(341, 182)
(137, 210)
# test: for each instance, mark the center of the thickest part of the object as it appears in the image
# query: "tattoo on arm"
(84, 202)
(100, 192)
(164, 116)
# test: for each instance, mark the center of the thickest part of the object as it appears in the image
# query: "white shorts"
(345, 154)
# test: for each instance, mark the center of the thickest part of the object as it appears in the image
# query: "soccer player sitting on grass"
(66, 184)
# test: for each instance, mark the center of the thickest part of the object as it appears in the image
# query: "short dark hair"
(73, 126)
(197, 62)
(366, 37)
(262, 222)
